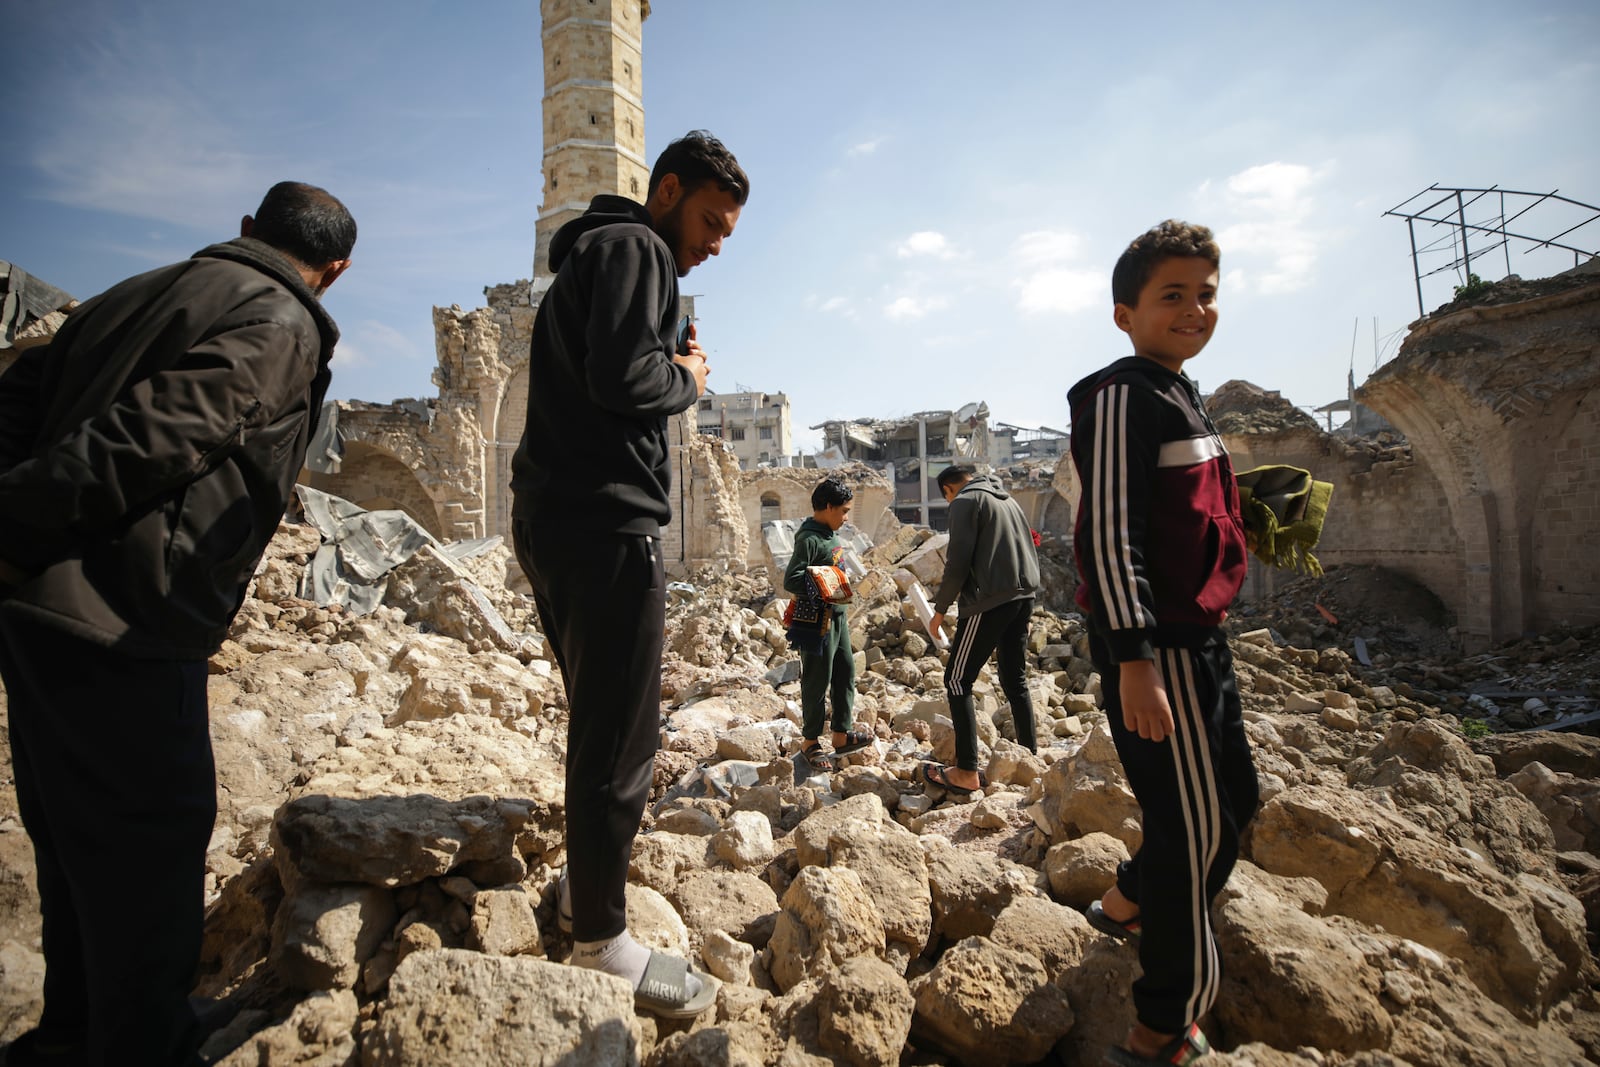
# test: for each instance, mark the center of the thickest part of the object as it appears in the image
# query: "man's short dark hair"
(829, 493)
(697, 158)
(1169, 240)
(956, 474)
(305, 222)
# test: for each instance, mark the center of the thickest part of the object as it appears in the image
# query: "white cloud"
(371, 343)
(911, 307)
(1051, 286)
(1062, 291)
(926, 243)
(348, 356)
(1046, 247)
(1278, 188)
(1273, 205)
(835, 303)
(865, 148)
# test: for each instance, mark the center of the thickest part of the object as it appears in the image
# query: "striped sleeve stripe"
(957, 667)
(1113, 554)
(1202, 815)
(1191, 452)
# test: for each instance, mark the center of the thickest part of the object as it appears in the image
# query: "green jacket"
(814, 546)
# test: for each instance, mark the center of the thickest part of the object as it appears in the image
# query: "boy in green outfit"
(816, 544)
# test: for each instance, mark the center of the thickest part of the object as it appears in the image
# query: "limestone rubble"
(381, 880)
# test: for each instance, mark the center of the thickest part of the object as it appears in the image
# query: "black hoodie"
(602, 381)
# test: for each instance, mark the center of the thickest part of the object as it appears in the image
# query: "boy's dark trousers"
(833, 669)
(1197, 789)
(602, 603)
(117, 789)
(1003, 629)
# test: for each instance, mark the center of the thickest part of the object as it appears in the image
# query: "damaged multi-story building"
(911, 452)
(755, 426)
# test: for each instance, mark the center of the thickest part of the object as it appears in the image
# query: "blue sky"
(939, 189)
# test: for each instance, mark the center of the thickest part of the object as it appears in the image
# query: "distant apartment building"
(1015, 444)
(756, 426)
(911, 452)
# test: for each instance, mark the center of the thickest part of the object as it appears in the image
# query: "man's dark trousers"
(1002, 629)
(117, 789)
(829, 673)
(1197, 789)
(602, 603)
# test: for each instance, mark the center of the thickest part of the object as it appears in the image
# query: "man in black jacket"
(590, 481)
(146, 456)
(992, 566)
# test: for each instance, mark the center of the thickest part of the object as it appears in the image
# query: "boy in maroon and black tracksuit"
(1161, 553)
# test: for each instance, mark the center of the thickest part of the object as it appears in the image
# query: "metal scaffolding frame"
(1449, 209)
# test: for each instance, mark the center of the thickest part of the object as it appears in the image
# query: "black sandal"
(855, 741)
(818, 759)
(1179, 1052)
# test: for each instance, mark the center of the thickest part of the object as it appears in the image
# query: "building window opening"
(771, 507)
(738, 433)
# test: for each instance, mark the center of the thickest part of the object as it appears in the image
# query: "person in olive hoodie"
(590, 484)
(830, 667)
(146, 456)
(991, 564)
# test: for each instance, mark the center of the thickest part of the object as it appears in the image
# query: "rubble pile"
(1238, 407)
(382, 878)
(1408, 639)
(1514, 288)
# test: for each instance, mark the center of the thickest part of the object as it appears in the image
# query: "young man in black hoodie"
(146, 456)
(991, 564)
(590, 483)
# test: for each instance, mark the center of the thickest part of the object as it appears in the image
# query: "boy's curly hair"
(1169, 240)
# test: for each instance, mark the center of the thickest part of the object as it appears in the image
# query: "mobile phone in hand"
(685, 325)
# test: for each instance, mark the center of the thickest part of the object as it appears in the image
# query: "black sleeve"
(630, 370)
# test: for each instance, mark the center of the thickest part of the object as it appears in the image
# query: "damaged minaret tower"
(593, 111)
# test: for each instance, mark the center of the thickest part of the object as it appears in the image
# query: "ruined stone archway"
(377, 481)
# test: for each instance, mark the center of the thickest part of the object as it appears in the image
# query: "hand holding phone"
(685, 334)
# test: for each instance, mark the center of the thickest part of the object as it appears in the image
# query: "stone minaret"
(593, 111)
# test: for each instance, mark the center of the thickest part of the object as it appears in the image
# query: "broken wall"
(423, 457)
(1387, 508)
(1498, 400)
(785, 493)
(708, 529)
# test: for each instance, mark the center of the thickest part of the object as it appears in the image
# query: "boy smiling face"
(1176, 311)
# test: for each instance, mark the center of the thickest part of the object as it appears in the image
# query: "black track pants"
(602, 603)
(1197, 789)
(1004, 630)
(117, 789)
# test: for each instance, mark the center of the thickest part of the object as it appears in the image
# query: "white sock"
(623, 957)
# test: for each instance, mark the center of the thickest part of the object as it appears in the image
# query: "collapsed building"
(912, 452)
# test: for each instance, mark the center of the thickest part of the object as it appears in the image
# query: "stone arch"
(375, 480)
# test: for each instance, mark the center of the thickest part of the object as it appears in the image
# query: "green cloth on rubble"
(1283, 509)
